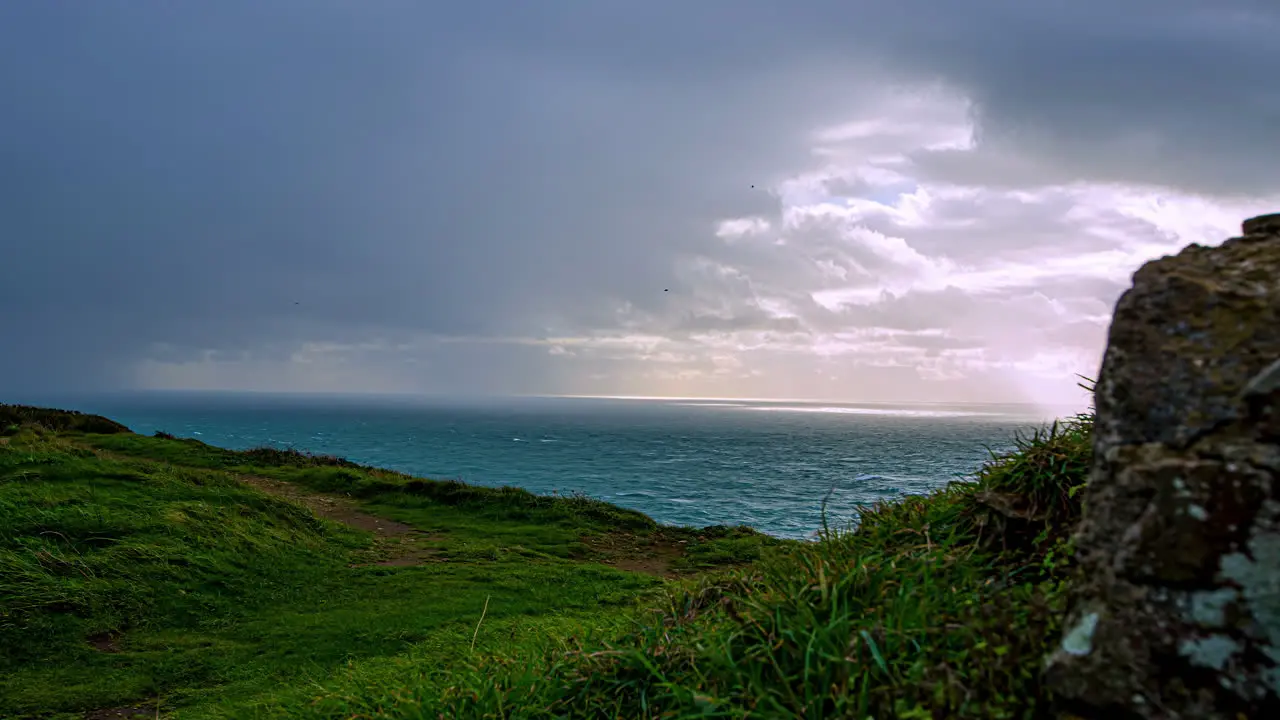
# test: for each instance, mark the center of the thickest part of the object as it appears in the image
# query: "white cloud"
(879, 262)
(736, 228)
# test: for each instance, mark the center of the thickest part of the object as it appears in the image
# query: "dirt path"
(404, 543)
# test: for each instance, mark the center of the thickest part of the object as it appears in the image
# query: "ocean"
(687, 462)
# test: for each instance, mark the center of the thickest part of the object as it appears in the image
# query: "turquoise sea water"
(764, 464)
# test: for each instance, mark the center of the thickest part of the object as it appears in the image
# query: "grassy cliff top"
(154, 575)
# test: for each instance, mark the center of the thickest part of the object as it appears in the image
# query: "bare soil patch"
(652, 555)
(105, 642)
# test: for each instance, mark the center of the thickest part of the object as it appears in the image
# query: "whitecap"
(634, 493)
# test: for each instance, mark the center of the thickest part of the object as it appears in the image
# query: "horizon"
(124, 397)
(539, 396)
(890, 202)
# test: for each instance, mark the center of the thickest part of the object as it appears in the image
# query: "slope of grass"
(150, 573)
(567, 526)
(135, 570)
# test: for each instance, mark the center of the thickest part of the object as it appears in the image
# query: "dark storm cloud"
(1177, 92)
(247, 176)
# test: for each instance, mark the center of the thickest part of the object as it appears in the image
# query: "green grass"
(937, 606)
(226, 602)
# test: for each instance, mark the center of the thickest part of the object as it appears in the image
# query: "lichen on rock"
(1176, 613)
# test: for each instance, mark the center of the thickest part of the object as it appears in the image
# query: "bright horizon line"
(683, 398)
(807, 401)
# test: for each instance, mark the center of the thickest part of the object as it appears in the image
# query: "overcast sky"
(834, 199)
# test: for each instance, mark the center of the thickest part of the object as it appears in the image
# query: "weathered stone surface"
(1177, 614)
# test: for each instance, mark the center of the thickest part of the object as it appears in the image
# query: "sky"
(846, 200)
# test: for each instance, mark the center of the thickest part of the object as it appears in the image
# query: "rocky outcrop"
(1177, 612)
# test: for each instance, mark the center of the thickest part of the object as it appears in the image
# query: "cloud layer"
(864, 201)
